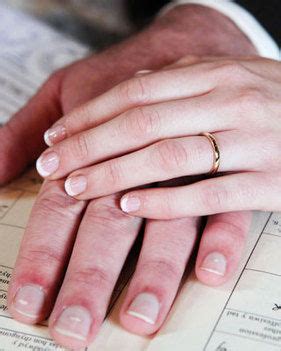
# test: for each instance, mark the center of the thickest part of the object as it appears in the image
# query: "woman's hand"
(148, 129)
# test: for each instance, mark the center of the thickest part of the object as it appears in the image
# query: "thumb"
(21, 139)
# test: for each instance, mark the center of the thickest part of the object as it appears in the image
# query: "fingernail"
(146, 307)
(143, 72)
(75, 185)
(29, 300)
(215, 263)
(54, 135)
(74, 322)
(47, 164)
(130, 204)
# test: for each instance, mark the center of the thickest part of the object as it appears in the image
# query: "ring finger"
(168, 159)
(165, 252)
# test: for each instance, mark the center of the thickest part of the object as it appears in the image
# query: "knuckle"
(230, 70)
(108, 215)
(41, 257)
(251, 99)
(233, 230)
(81, 148)
(169, 155)
(161, 268)
(82, 113)
(56, 203)
(113, 173)
(250, 106)
(134, 91)
(269, 148)
(91, 276)
(214, 197)
(141, 122)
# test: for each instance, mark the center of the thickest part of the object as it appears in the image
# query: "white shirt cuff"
(247, 23)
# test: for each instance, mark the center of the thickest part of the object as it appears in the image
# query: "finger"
(168, 159)
(167, 84)
(237, 192)
(43, 254)
(221, 246)
(140, 90)
(133, 130)
(22, 137)
(102, 245)
(165, 252)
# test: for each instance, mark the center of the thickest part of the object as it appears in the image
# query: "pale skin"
(148, 139)
(104, 232)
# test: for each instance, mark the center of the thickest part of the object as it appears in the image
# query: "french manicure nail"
(75, 185)
(29, 300)
(130, 204)
(146, 307)
(215, 263)
(74, 322)
(47, 164)
(54, 135)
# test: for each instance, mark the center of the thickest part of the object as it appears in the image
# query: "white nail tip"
(212, 271)
(123, 204)
(141, 316)
(70, 334)
(29, 315)
(47, 139)
(68, 189)
(40, 169)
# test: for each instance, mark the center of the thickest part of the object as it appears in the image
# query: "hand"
(152, 135)
(97, 236)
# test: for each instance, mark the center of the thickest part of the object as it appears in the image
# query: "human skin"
(105, 233)
(236, 99)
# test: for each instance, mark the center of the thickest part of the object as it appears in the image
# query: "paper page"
(244, 314)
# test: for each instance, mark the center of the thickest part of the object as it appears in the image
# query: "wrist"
(185, 30)
(201, 30)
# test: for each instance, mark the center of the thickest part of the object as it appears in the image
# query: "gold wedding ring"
(216, 152)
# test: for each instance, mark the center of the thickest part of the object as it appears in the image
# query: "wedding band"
(216, 151)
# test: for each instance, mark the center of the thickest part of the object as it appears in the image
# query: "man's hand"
(97, 236)
(185, 30)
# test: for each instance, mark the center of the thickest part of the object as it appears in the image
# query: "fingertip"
(209, 278)
(142, 313)
(213, 269)
(71, 328)
(40, 168)
(28, 304)
(47, 164)
(55, 135)
(130, 203)
(47, 139)
(135, 325)
(67, 341)
(76, 185)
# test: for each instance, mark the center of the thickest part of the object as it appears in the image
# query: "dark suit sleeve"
(267, 12)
